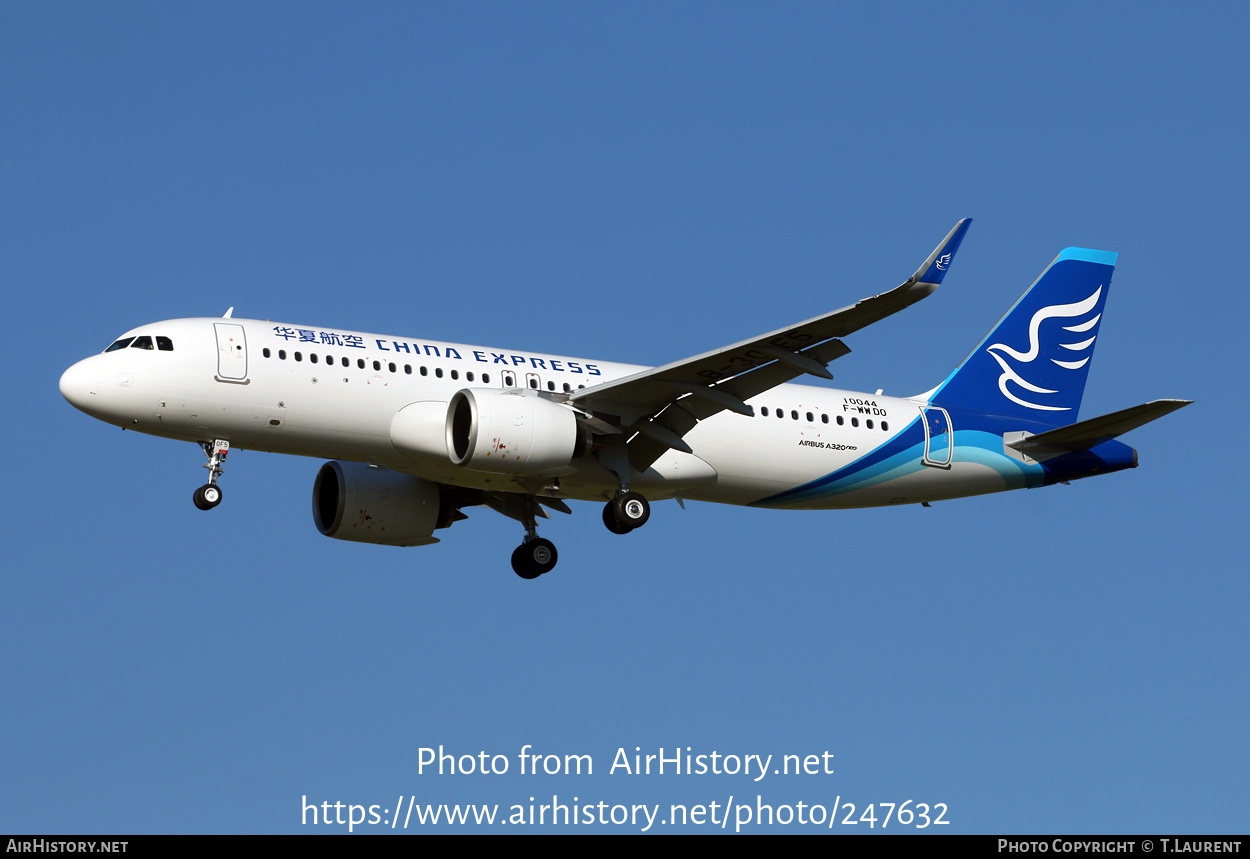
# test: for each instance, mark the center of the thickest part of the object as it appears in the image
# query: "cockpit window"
(144, 342)
(164, 344)
(120, 344)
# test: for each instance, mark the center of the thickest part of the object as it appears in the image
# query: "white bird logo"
(1068, 311)
(942, 262)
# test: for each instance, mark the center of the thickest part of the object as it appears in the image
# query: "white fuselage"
(334, 394)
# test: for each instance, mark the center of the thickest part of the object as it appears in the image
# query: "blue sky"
(638, 183)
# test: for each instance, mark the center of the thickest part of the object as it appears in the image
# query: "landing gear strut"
(208, 496)
(625, 512)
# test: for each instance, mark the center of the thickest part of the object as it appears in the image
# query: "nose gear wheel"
(207, 496)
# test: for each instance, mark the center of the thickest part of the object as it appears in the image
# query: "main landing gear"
(625, 512)
(208, 496)
(535, 556)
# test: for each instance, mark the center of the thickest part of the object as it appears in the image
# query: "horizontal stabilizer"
(1093, 432)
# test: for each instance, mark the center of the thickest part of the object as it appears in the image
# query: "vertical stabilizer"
(1034, 364)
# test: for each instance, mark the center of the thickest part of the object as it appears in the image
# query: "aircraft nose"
(77, 385)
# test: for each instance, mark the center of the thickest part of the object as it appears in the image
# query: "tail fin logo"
(943, 261)
(1001, 351)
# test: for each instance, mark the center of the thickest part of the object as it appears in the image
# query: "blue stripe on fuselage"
(977, 438)
(897, 446)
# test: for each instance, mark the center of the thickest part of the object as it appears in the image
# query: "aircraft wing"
(664, 403)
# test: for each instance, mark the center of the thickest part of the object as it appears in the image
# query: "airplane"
(416, 429)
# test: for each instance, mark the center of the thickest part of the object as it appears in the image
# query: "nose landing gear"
(208, 496)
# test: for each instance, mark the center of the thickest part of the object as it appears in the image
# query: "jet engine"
(352, 501)
(513, 432)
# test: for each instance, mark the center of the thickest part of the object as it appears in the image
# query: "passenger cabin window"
(265, 352)
(144, 342)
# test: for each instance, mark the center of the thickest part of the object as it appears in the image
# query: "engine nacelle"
(419, 431)
(352, 501)
(512, 432)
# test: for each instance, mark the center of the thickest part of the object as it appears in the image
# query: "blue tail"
(1033, 365)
